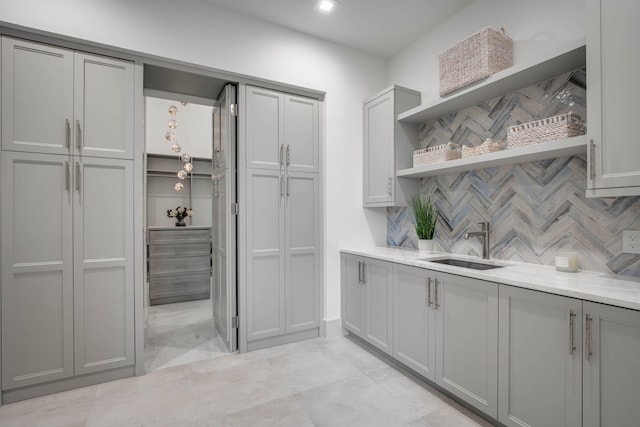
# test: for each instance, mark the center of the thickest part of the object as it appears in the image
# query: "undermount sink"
(464, 263)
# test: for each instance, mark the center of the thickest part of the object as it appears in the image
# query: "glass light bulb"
(176, 148)
(169, 136)
(173, 110)
(179, 186)
(186, 158)
(182, 174)
(188, 167)
(173, 124)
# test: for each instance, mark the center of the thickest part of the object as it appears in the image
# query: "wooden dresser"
(179, 264)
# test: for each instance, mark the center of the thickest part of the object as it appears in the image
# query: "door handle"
(437, 304)
(587, 331)
(78, 135)
(592, 160)
(281, 154)
(572, 344)
(429, 303)
(288, 155)
(78, 177)
(66, 176)
(67, 133)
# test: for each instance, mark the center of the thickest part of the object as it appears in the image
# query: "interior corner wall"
(199, 33)
(534, 26)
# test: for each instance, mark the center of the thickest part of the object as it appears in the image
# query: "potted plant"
(426, 215)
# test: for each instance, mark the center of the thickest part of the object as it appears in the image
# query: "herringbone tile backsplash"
(536, 209)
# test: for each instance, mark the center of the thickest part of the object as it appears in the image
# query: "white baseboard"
(332, 327)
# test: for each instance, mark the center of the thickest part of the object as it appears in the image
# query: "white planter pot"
(425, 245)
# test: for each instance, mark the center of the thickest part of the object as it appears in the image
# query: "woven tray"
(488, 146)
(475, 58)
(439, 153)
(550, 129)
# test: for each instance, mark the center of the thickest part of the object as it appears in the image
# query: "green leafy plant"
(425, 214)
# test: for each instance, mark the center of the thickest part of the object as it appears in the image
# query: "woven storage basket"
(488, 146)
(475, 58)
(439, 153)
(549, 129)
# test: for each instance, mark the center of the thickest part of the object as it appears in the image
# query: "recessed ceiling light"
(325, 5)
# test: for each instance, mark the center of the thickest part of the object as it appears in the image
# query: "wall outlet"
(631, 242)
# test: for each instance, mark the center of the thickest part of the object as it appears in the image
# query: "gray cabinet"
(467, 340)
(388, 146)
(612, 58)
(283, 208)
(414, 323)
(179, 264)
(59, 101)
(67, 276)
(540, 354)
(284, 131)
(367, 300)
(611, 366)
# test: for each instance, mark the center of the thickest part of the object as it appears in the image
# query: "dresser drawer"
(179, 250)
(179, 265)
(180, 285)
(180, 235)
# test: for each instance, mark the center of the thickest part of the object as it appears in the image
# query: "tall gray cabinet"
(282, 217)
(67, 214)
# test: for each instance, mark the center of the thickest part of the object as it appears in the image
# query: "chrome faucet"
(485, 238)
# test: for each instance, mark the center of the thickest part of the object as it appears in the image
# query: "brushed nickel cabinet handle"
(281, 187)
(78, 135)
(66, 176)
(78, 177)
(67, 133)
(288, 190)
(429, 302)
(364, 278)
(360, 272)
(281, 154)
(437, 304)
(587, 329)
(572, 344)
(288, 155)
(592, 160)
(390, 186)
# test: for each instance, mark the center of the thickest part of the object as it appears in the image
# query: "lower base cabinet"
(611, 366)
(366, 300)
(540, 369)
(522, 357)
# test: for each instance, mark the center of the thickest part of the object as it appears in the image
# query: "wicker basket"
(439, 153)
(549, 129)
(488, 146)
(475, 58)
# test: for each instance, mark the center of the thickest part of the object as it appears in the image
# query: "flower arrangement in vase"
(179, 213)
(426, 215)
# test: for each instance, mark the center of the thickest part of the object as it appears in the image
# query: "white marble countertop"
(621, 291)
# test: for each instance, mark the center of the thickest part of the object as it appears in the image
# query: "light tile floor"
(180, 333)
(318, 382)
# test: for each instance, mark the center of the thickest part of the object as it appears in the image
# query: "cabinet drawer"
(179, 250)
(184, 284)
(182, 265)
(181, 235)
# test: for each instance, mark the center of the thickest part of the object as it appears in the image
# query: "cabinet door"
(104, 92)
(467, 340)
(540, 356)
(377, 278)
(414, 326)
(302, 251)
(265, 254)
(37, 269)
(37, 97)
(611, 366)
(301, 134)
(378, 150)
(264, 129)
(612, 58)
(103, 267)
(352, 294)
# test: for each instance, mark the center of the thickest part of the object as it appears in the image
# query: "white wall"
(199, 33)
(534, 26)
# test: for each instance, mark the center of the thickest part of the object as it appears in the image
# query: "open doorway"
(190, 292)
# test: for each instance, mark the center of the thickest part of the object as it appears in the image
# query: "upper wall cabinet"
(59, 101)
(284, 132)
(388, 146)
(613, 92)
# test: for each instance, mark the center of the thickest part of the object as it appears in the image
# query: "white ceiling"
(381, 27)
